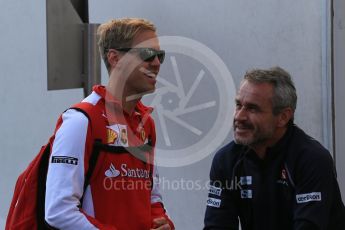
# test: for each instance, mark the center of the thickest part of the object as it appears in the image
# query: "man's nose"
(155, 61)
(240, 114)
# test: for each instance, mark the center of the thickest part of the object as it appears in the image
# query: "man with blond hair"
(122, 190)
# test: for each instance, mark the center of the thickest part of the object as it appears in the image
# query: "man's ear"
(284, 116)
(113, 58)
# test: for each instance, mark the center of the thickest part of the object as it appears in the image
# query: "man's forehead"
(254, 93)
(145, 38)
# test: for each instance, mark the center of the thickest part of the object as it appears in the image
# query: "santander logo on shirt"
(125, 171)
(112, 171)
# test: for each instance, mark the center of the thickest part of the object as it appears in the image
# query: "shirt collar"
(282, 143)
(277, 149)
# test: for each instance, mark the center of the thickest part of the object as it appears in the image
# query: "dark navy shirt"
(293, 187)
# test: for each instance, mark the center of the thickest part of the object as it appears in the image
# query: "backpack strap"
(94, 115)
(41, 188)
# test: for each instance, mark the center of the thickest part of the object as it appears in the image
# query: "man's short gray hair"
(283, 86)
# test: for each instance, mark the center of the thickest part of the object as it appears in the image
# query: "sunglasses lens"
(149, 55)
(161, 56)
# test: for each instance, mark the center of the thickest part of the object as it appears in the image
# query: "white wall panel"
(243, 34)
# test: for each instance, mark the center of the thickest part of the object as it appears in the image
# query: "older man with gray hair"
(273, 175)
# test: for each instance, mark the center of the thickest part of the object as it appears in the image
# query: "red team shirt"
(123, 191)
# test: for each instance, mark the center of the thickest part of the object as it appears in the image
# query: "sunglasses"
(146, 54)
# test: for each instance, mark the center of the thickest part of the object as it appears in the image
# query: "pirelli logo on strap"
(308, 197)
(65, 160)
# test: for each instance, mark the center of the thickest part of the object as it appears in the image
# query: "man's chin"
(148, 90)
(242, 141)
(139, 95)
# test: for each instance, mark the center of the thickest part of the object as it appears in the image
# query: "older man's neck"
(261, 148)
